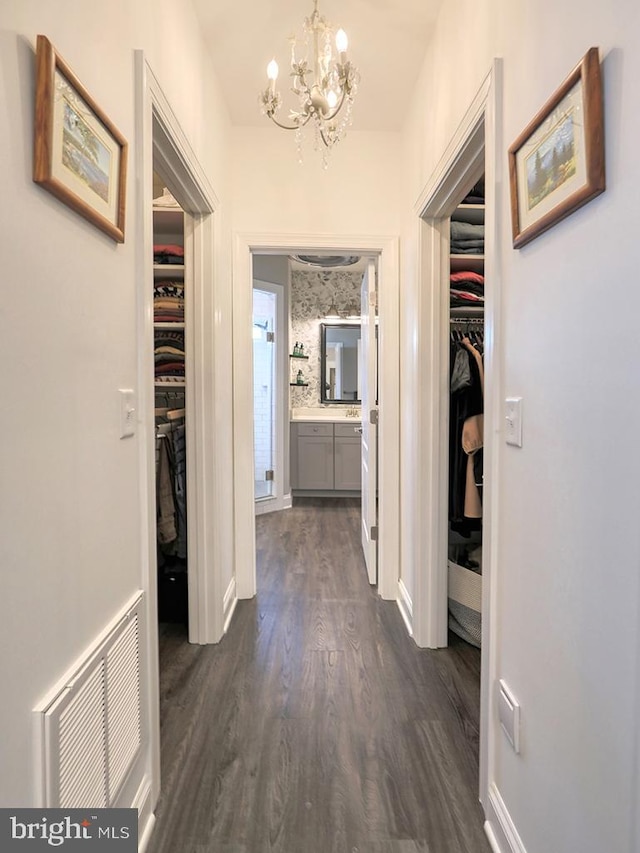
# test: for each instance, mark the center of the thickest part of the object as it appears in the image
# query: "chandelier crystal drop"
(325, 86)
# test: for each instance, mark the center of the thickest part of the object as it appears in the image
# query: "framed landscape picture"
(557, 163)
(79, 155)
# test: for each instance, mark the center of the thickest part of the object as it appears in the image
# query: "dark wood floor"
(317, 725)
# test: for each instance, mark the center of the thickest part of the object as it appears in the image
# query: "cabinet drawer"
(315, 429)
(348, 430)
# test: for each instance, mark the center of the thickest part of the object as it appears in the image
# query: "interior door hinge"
(268, 475)
(374, 533)
(271, 336)
(373, 417)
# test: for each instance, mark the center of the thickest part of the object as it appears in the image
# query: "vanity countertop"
(337, 415)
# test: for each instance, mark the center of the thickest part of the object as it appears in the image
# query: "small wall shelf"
(299, 384)
(291, 355)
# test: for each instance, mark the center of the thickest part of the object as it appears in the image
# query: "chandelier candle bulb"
(272, 74)
(342, 43)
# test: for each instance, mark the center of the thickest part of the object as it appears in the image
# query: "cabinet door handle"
(358, 429)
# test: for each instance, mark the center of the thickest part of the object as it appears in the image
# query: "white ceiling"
(387, 43)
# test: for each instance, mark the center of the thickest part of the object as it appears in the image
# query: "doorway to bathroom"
(250, 252)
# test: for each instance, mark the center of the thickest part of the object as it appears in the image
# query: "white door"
(368, 366)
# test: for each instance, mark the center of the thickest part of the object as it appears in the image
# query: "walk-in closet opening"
(170, 292)
(466, 416)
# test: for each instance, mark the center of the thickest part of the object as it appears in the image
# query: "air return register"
(90, 727)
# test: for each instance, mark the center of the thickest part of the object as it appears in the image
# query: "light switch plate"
(509, 714)
(127, 412)
(513, 420)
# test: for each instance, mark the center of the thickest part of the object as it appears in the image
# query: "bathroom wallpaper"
(311, 293)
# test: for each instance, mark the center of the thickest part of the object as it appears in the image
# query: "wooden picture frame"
(79, 155)
(557, 164)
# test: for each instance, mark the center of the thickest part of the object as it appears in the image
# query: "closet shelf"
(168, 269)
(169, 325)
(178, 383)
(461, 263)
(472, 213)
(470, 311)
(167, 220)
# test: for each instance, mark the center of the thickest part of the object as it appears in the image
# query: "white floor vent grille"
(91, 728)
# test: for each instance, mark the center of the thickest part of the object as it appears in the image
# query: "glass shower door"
(264, 391)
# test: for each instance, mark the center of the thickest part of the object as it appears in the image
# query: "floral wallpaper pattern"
(311, 295)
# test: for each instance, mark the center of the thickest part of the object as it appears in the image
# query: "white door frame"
(159, 136)
(386, 249)
(472, 151)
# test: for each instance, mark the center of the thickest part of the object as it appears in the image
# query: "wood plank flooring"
(317, 725)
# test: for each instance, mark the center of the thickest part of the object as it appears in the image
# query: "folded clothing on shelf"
(168, 302)
(467, 238)
(466, 288)
(168, 253)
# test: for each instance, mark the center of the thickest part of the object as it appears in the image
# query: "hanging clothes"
(165, 503)
(466, 426)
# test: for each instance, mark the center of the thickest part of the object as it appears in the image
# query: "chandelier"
(325, 86)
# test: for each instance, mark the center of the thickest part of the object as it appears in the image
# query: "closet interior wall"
(466, 407)
(170, 402)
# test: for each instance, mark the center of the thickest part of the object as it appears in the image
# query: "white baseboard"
(493, 841)
(145, 832)
(229, 604)
(499, 827)
(275, 504)
(405, 606)
(146, 817)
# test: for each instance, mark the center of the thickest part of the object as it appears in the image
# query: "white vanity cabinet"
(325, 457)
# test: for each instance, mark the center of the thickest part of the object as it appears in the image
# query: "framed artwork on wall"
(79, 155)
(556, 165)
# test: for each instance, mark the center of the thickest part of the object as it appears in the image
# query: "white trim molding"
(499, 827)
(405, 606)
(229, 604)
(386, 251)
(164, 146)
(472, 151)
(160, 140)
(146, 817)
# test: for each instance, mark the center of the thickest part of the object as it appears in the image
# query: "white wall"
(568, 583)
(274, 194)
(70, 537)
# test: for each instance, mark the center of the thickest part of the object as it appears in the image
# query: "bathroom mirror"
(339, 359)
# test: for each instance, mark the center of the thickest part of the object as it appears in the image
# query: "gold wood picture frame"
(79, 155)
(557, 163)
